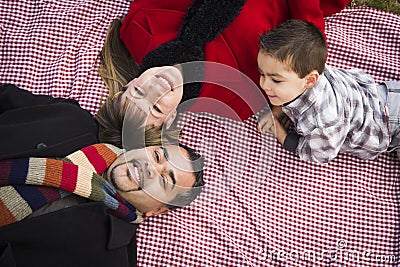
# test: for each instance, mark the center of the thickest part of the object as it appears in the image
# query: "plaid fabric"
(51, 47)
(340, 113)
(262, 206)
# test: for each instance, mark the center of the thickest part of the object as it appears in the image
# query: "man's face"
(150, 177)
(158, 92)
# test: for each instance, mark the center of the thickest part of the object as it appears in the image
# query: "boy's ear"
(312, 78)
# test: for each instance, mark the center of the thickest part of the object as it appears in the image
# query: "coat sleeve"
(330, 7)
(6, 255)
(12, 97)
(309, 10)
(315, 10)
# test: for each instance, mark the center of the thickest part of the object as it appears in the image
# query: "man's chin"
(113, 180)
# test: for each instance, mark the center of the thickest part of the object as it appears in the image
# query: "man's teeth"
(164, 81)
(137, 174)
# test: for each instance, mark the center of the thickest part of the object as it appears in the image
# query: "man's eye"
(157, 156)
(164, 181)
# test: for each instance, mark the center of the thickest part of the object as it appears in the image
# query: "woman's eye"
(139, 91)
(157, 109)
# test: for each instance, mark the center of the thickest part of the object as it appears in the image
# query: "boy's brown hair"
(299, 44)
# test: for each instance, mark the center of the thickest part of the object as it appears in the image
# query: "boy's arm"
(321, 144)
(280, 131)
(276, 122)
(291, 142)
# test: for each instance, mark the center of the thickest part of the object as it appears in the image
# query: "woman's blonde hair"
(117, 67)
(125, 127)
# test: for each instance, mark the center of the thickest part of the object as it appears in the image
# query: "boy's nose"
(266, 87)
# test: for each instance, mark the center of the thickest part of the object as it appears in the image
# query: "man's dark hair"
(299, 44)
(185, 198)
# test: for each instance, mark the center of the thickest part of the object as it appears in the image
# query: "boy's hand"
(266, 123)
(275, 122)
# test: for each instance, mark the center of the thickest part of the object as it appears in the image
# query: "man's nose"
(153, 169)
(147, 170)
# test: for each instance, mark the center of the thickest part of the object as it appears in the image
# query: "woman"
(157, 33)
(43, 126)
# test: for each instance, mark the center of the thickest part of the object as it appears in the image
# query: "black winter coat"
(82, 235)
(79, 236)
(42, 126)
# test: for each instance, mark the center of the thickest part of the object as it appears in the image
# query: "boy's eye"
(276, 81)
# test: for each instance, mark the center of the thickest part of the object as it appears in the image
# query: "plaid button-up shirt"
(341, 113)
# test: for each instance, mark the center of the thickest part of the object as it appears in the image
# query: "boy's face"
(278, 81)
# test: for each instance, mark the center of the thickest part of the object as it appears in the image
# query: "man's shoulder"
(84, 234)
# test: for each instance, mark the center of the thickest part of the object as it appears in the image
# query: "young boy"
(333, 110)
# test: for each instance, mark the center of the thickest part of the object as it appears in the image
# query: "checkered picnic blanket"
(262, 206)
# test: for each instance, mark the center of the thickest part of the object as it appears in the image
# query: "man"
(152, 179)
(49, 226)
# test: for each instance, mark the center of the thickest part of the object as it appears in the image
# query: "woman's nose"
(155, 90)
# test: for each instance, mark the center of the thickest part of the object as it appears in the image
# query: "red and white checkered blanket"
(262, 206)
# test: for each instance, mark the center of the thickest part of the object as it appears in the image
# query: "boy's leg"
(393, 104)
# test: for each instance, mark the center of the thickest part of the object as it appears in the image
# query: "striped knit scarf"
(28, 184)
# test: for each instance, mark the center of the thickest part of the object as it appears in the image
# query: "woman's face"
(158, 92)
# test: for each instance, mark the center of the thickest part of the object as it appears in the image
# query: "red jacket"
(150, 23)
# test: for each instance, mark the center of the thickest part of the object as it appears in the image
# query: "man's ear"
(312, 78)
(158, 211)
(170, 119)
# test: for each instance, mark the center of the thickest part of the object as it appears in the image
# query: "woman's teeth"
(164, 81)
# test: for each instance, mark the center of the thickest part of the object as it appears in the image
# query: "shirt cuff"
(291, 142)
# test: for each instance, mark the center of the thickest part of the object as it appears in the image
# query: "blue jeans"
(390, 91)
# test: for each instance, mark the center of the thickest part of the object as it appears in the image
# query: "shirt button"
(41, 145)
